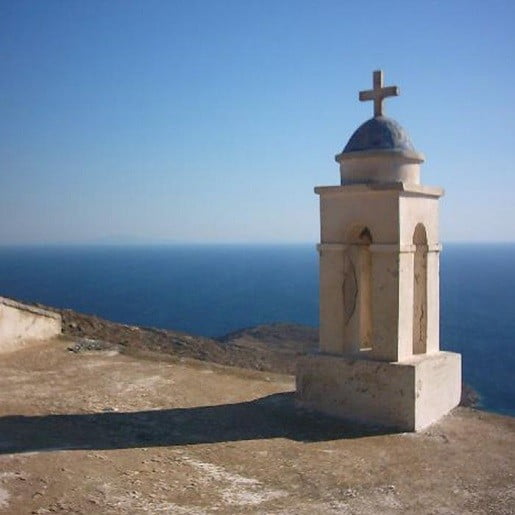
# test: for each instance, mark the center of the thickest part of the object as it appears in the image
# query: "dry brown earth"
(104, 432)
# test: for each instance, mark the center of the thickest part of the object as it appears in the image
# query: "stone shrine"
(380, 360)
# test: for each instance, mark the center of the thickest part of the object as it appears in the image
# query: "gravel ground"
(100, 431)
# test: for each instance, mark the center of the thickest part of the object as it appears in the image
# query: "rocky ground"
(272, 348)
(100, 431)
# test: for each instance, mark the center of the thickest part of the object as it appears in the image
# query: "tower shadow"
(273, 416)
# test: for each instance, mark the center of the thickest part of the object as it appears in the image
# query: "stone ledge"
(401, 188)
(378, 247)
(31, 309)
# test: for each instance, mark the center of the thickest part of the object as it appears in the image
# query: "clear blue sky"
(213, 120)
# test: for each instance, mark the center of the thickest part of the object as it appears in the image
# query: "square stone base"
(406, 396)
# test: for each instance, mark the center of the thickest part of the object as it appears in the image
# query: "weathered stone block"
(405, 396)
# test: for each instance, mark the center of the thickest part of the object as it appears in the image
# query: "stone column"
(392, 302)
(433, 299)
(331, 298)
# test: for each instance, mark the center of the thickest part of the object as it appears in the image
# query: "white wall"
(22, 325)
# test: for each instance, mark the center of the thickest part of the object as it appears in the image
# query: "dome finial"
(378, 93)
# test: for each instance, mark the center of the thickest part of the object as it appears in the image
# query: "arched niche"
(420, 290)
(359, 235)
(357, 289)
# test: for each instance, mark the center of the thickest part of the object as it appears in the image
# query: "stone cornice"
(401, 188)
(378, 247)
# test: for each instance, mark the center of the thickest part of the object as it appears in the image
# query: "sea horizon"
(208, 243)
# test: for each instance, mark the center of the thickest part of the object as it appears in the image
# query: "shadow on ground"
(274, 416)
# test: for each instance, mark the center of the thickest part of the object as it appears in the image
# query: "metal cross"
(378, 93)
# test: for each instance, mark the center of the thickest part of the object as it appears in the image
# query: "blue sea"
(214, 289)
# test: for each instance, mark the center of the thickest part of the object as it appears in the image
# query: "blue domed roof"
(379, 133)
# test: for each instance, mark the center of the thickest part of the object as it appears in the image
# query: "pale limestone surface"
(379, 251)
(22, 325)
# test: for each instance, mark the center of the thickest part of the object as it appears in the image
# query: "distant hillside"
(285, 338)
(272, 348)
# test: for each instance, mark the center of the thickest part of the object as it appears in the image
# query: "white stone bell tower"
(380, 359)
